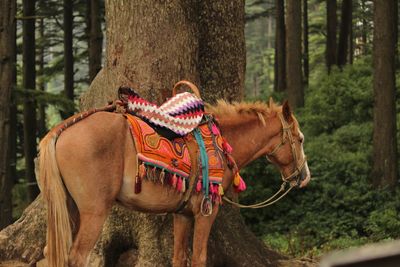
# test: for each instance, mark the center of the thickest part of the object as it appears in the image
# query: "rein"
(265, 203)
(298, 167)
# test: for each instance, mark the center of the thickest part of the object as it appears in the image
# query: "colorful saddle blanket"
(180, 114)
(171, 157)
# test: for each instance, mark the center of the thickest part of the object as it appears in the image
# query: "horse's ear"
(271, 102)
(287, 112)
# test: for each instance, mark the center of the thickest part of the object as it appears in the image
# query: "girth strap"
(193, 150)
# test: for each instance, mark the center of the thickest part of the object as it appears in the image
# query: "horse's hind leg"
(202, 228)
(91, 224)
(182, 225)
(92, 171)
(94, 206)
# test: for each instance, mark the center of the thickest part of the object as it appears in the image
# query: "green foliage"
(339, 208)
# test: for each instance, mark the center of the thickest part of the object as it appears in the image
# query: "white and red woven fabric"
(181, 113)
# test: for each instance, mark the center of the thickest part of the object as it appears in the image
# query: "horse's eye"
(301, 140)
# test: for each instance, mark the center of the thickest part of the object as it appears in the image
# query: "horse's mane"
(239, 109)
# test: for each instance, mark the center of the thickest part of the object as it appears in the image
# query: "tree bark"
(280, 47)
(29, 82)
(384, 138)
(161, 45)
(294, 75)
(351, 37)
(331, 26)
(68, 53)
(306, 68)
(42, 129)
(95, 38)
(345, 27)
(7, 73)
(364, 28)
(221, 63)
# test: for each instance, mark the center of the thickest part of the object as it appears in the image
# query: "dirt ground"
(287, 263)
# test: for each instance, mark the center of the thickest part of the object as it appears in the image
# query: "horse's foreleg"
(181, 233)
(202, 228)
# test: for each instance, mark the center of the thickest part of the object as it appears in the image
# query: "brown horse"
(92, 164)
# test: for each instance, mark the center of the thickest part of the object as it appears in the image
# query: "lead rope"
(265, 203)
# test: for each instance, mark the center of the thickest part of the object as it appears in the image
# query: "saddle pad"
(172, 156)
(181, 113)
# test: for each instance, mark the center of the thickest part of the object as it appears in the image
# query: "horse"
(91, 161)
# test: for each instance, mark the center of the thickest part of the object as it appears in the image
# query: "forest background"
(353, 198)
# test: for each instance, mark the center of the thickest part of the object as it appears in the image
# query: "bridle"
(287, 136)
(298, 166)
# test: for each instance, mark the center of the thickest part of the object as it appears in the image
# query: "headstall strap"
(286, 134)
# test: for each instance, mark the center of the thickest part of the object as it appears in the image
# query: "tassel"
(162, 176)
(138, 184)
(179, 185)
(154, 174)
(216, 189)
(236, 180)
(212, 191)
(168, 178)
(174, 180)
(227, 147)
(183, 185)
(215, 130)
(242, 185)
(142, 170)
(220, 190)
(198, 186)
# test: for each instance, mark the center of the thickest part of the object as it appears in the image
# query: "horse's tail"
(59, 234)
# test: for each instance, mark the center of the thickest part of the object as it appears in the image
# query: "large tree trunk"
(29, 82)
(221, 51)
(331, 25)
(384, 137)
(364, 28)
(95, 38)
(344, 35)
(280, 47)
(7, 71)
(294, 75)
(42, 129)
(68, 53)
(306, 68)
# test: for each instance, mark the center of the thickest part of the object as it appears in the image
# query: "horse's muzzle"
(305, 176)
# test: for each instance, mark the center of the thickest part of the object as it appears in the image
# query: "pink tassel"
(216, 189)
(242, 185)
(227, 147)
(198, 186)
(174, 180)
(215, 130)
(212, 189)
(179, 185)
(142, 170)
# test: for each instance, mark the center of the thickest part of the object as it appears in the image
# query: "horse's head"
(285, 149)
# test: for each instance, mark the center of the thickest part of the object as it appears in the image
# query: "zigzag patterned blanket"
(181, 114)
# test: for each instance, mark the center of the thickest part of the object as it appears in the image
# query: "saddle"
(178, 144)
